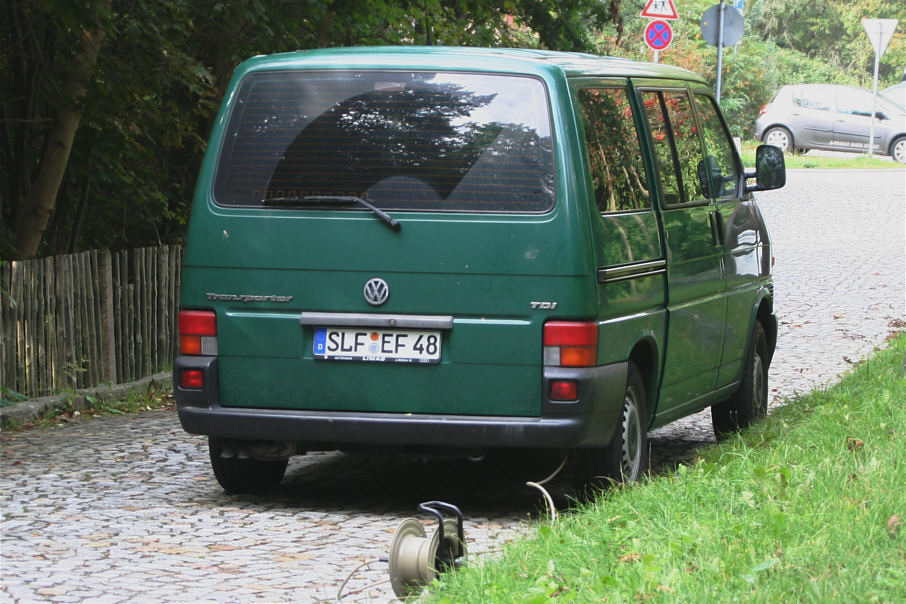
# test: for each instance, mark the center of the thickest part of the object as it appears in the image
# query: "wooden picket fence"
(86, 319)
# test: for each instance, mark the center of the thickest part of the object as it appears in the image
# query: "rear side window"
(820, 99)
(614, 151)
(427, 141)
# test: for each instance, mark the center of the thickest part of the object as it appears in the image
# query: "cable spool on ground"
(416, 559)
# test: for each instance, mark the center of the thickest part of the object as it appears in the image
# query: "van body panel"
(747, 269)
(697, 306)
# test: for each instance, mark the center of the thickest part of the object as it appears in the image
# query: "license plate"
(377, 345)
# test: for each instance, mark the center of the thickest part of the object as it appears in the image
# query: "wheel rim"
(759, 393)
(899, 151)
(632, 438)
(778, 138)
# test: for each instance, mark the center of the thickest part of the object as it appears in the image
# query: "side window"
(720, 164)
(854, 102)
(816, 98)
(676, 144)
(614, 151)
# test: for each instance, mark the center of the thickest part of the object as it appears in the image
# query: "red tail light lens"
(571, 343)
(191, 378)
(197, 332)
(564, 390)
(764, 108)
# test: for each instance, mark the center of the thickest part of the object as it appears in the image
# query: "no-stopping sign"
(658, 35)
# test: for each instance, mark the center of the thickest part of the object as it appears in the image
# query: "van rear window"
(425, 141)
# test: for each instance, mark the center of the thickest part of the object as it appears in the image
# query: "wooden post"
(108, 338)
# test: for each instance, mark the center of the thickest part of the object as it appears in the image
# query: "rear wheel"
(750, 402)
(244, 475)
(625, 459)
(898, 150)
(779, 137)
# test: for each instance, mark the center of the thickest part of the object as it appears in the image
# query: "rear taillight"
(764, 109)
(564, 390)
(570, 344)
(191, 379)
(197, 332)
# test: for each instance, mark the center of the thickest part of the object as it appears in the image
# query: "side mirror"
(770, 169)
(710, 178)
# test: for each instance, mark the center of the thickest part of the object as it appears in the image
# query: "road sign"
(658, 35)
(879, 31)
(660, 9)
(732, 21)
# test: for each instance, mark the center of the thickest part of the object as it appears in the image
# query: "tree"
(43, 192)
(137, 96)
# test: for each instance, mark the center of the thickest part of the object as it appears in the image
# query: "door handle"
(717, 227)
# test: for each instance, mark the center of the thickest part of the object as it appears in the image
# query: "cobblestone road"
(125, 509)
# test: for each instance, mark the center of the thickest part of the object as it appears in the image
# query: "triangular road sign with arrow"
(660, 9)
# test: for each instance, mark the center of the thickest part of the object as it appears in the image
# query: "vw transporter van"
(469, 249)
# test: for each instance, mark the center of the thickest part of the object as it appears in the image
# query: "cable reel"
(416, 559)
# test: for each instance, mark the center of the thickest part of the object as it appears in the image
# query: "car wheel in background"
(779, 137)
(898, 149)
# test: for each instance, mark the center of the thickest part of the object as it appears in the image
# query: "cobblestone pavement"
(125, 509)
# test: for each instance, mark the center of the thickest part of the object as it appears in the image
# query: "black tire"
(625, 459)
(779, 137)
(750, 402)
(247, 475)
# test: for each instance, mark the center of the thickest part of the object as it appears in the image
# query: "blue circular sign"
(658, 35)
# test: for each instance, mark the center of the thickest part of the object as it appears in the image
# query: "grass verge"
(844, 161)
(153, 398)
(807, 506)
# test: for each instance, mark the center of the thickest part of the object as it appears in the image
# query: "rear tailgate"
(484, 274)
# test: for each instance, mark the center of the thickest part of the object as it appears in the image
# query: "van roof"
(524, 60)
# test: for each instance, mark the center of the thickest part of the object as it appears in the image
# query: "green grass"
(808, 160)
(807, 506)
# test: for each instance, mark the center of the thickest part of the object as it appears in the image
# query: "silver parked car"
(832, 117)
(896, 93)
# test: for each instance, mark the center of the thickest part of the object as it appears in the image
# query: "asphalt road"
(125, 509)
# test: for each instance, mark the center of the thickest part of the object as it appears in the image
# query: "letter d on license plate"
(377, 345)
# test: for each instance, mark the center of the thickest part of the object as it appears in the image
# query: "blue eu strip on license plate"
(377, 345)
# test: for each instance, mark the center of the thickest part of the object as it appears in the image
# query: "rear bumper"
(589, 421)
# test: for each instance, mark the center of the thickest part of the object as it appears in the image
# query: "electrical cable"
(552, 511)
(340, 595)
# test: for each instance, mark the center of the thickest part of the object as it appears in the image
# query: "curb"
(27, 411)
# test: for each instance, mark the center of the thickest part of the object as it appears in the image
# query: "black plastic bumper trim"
(587, 422)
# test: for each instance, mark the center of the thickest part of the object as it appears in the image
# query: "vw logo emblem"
(376, 291)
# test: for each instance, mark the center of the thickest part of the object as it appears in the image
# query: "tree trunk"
(42, 195)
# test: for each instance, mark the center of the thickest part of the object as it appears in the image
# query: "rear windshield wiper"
(392, 222)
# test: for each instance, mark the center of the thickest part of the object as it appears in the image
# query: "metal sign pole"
(720, 47)
(874, 98)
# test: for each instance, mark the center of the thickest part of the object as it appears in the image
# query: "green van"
(464, 249)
